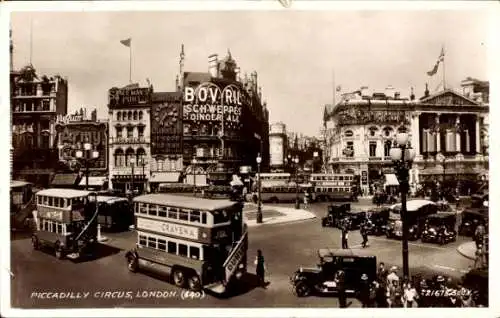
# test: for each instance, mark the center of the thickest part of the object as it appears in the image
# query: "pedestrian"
(410, 295)
(392, 277)
(364, 291)
(380, 297)
(364, 233)
(340, 281)
(479, 235)
(382, 274)
(345, 236)
(260, 268)
(479, 261)
(306, 200)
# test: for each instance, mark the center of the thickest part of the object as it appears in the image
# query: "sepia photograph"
(241, 159)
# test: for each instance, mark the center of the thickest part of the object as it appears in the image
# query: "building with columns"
(129, 137)
(449, 131)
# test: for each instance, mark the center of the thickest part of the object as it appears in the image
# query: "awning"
(163, 177)
(64, 179)
(391, 180)
(93, 181)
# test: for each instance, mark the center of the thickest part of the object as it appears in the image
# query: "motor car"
(335, 214)
(416, 214)
(321, 279)
(383, 198)
(377, 221)
(354, 219)
(440, 228)
(471, 218)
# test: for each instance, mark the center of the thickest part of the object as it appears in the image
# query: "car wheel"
(194, 283)
(302, 289)
(35, 243)
(132, 264)
(178, 278)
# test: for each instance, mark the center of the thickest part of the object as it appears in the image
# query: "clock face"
(166, 115)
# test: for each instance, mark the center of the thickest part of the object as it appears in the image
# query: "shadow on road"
(20, 234)
(101, 251)
(247, 283)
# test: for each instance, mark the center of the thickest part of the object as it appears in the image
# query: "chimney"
(397, 95)
(213, 65)
(412, 95)
(254, 80)
(426, 93)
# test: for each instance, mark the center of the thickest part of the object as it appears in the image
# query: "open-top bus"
(66, 222)
(195, 242)
(115, 213)
(337, 186)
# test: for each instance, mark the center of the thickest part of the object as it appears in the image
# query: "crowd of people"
(391, 291)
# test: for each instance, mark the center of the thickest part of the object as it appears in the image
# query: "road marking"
(409, 243)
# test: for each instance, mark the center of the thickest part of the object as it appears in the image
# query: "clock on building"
(166, 115)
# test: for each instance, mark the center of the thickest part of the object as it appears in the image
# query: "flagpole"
(130, 63)
(31, 40)
(444, 70)
(333, 86)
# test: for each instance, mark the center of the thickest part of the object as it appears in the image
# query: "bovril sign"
(207, 102)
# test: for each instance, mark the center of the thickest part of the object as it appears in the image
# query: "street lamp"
(297, 202)
(194, 162)
(259, 202)
(132, 162)
(143, 163)
(444, 177)
(86, 155)
(402, 155)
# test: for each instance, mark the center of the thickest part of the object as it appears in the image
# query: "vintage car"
(440, 228)
(321, 279)
(471, 218)
(335, 214)
(416, 213)
(383, 198)
(354, 219)
(377, 221)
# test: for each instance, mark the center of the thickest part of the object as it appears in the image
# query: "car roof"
(332, 252)
(413, 205)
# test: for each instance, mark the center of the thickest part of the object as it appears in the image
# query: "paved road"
(285, 247)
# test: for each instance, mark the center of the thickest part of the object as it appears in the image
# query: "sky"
(299, 55)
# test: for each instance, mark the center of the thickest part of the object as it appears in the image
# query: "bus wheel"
(35, 243)
(59, 251)
(132, 264)
(194, 283)
(275, 200)
(178, 277)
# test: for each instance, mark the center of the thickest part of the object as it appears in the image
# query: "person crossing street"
(345, 235)
(364, 233)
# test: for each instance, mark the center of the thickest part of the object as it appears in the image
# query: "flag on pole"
(436, 66)
(126, 42)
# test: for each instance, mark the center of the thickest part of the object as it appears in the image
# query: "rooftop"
(184, 201)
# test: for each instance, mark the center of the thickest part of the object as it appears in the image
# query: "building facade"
(72, 132)
(448, 131)
(278, 145)
(129, 137)
(36, 101)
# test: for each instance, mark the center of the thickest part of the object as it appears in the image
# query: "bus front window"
(220, 217)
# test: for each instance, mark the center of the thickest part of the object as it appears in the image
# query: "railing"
(374, 158)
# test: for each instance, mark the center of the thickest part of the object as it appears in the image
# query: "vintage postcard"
(247, 158)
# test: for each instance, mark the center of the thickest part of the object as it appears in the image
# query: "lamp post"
(444, 177)
(297, 202)
(402, 155)
(259, 201)
(194, 162)
(87, 155)
(132, 163)
(143, 163)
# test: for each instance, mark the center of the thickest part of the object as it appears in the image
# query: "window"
(194, 252)
(387, 149)
(152, 242)
(194, 217)
(172, 213)
(118, 116)
(373, 131)
(142, 240)
(348, 133)
(162, 245)
(373, 148)
(143, 208)
(118, 132)
(59, 228)
(162, 212)
(183, 250)
(140, 115)
(130, 132)
(140, 131)
(51, 201)
(172, 247)
(220, 217)
(204, 217)
(152, 210)
(45, 105)
(135, 115)
(184, 215)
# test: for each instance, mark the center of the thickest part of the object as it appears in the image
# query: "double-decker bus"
(198, 243)
(271, 179)
(282, 193)
(329, 187)
(66, 222)
(115, 213)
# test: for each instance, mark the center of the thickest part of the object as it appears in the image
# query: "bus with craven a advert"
(337, 186)
(195, 242)
(66, 222)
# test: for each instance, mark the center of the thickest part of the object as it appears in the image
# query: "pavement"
(468, 250)
(274, 214)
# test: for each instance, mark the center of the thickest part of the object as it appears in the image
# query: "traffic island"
(468, 250)
(276, 215)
